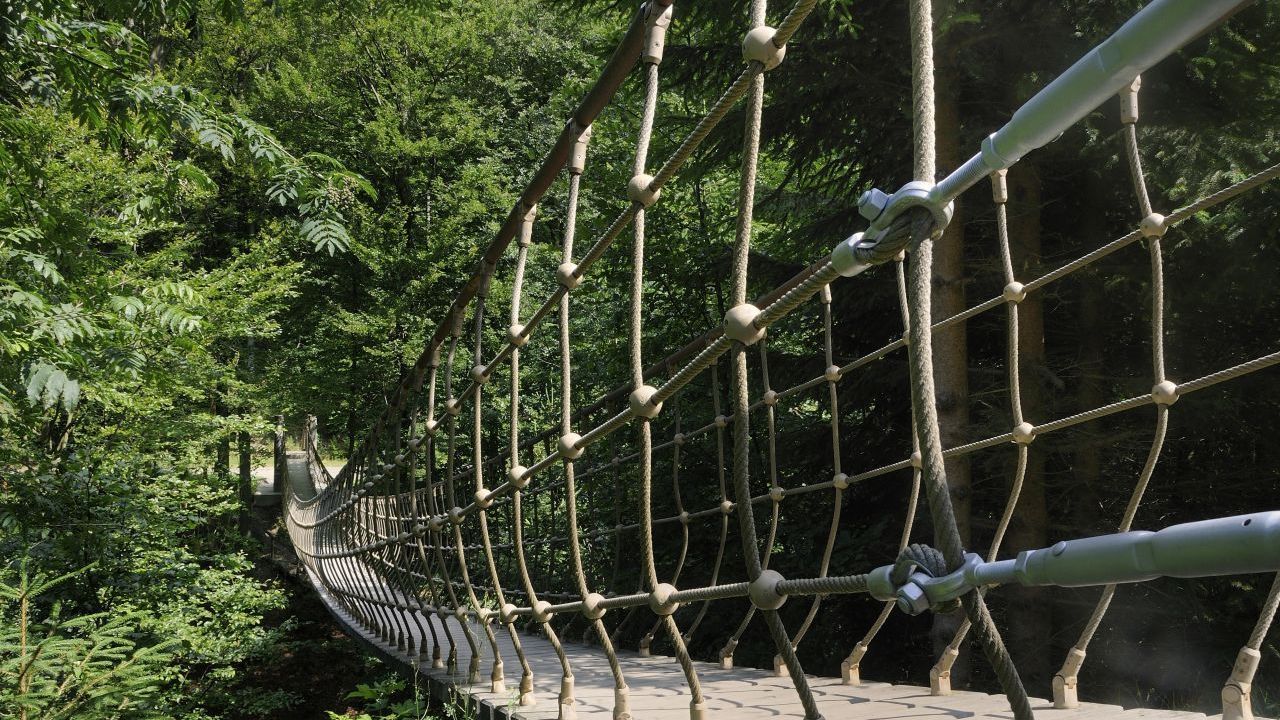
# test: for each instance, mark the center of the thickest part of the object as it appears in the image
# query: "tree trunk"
(222, 463)
(1029, 617)
(1087, 457)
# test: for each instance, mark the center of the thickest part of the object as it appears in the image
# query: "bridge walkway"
(657, 686)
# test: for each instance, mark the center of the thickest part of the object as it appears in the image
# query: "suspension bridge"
(439, 547)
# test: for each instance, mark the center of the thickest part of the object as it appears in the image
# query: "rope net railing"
(452, 508)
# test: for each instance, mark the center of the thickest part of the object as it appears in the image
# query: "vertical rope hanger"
(1164, 392)
(1013, 294)
(621, 701)
(403, 520)
(646, 640)
(920, 357)
(839, 480)
(541, 615)
(640, 401)
(770, 400)
(365, 523)
(1236, 701)
(616, 574)
(438, 568)
(725, 506)
(769, 56)
(481, 373)
(851, 667)
(414, 502)
(384, 560)
(437, 528)
(455, 520)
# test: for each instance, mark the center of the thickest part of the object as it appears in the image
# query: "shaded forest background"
(214, 212)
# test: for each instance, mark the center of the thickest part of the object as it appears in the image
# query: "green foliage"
(84, 667)
(100, 152)
(385, 700)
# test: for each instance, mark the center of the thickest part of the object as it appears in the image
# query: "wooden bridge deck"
(658, 689)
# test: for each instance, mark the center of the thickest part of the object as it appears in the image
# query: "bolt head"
(872, 203)
(912, 600)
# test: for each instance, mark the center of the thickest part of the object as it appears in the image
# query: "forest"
(216, 212)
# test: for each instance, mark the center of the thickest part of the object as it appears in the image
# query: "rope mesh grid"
(395, 540)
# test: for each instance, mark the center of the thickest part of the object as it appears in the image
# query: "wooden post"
(246, 478)
(280, 466)
(310, 434)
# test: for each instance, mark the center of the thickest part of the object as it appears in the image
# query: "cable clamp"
(881, 211)
(880, 243)
(922, 591)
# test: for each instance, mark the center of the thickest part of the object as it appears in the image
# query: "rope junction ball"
(763, 591)
(568, 446)
(660, 601)
(508, 613)
(638, 190)
(739, 324)
(1024, 433)
(1165, 393)
(591, 609)
(515, 334)
(1153, 225)
(566, 275)
(1014, 292)
(758, 46)
(542, 611)
(640, 402)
